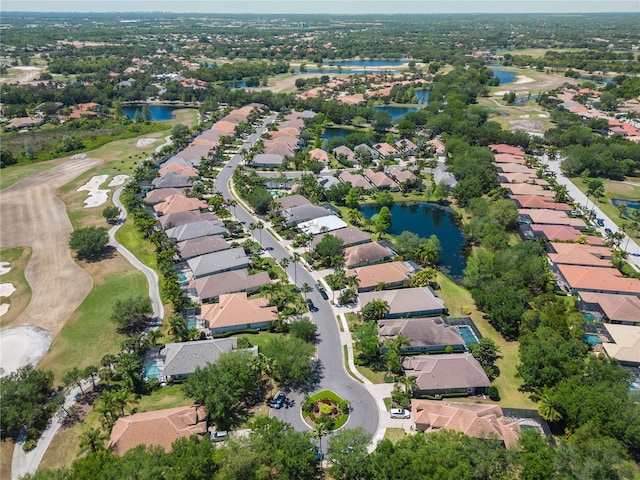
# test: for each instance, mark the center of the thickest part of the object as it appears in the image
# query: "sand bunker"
(6, 289)
(501, 93)
(96, 196)
(118, 180)
(522, 79)
(4, 308)
(4, 268)
(22, 345)
(145, 142)
(78, 156)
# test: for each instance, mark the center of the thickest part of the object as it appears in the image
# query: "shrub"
(493, 392)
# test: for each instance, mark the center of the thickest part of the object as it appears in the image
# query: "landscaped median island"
(326, 409)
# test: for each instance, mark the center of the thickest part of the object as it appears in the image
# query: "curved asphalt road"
(333, 375)
(152, 276)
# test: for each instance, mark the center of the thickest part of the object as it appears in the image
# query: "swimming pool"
(589, 317)
(468, 337)
(182, 277)
(191, 322)
(151, 370)
(591, 339)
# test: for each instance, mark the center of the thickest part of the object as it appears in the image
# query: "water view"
(330, 133)
(426, 219)
(397, 112)
(158, 113)
(631, 205)
(504, 76)
(423, 96)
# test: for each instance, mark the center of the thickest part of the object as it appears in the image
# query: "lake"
(426, 219)
(159, 113)
(631, 205)
(397, 112)
(504, 76)
(330, 133)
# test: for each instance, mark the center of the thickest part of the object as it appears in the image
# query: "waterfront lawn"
(459, 301)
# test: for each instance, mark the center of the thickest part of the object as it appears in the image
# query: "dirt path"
(32, 215)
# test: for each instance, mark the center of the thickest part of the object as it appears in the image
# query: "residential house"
(579, 254)
(344, 153)
(596, 279)
(355, 180)
(503, 148)
(319, 155)
(620, 309)
(437, 146)
(187, 216)
(447, 373)
(203, 228)
(402, 176)
(425, 334)
(19, 123)
(472, 419)
(442, 176)
(236, 312)
(178, 203)
(291, 201)
(157, 428)
(625, 346)
(303, 213)
(543, 216)
(507, 158)
(386, 151)
(388, 275)
(381, 181)
(365, 254)
(176, 361)
(158, 195)
(535, 201)
(406, 146)
(201, 246)
(267, 160)
(349, 236)
(407, 302)
(175, 167)
(322, 224)
(172, 180)
(562, 233)
(363, 150)
(527, 189)
(218, 262)
(209, 288)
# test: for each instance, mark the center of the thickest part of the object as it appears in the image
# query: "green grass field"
(458, 301)
(17, 258)
(90, 334)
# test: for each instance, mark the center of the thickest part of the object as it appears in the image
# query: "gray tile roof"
(184, 358)
(405, 301)
(422, 332)
(171, 180)
(225, 260)
(303, 213)
(201, 246)
(212, 286)
(202, 228)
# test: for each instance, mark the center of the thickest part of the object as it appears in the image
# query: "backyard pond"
(396, 111)
(159, 113)
(426, 219)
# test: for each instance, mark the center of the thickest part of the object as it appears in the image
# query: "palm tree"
(319, 430)
(178, 327)
(121, 399)
(379, 307)
(232, 204)
(410, 385)
(284, 263)
(306, 288)
(260, 226)
(152, 337)
(252, 227)
(92, 440)
(296, 259)
(91, 371)
(548, 408)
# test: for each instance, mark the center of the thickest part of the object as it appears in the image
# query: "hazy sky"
(320, 6)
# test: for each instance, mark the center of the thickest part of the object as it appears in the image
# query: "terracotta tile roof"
(370, 276)
(386, 150)
(179, 169)
(552, 217)
(501, 158)
(617, 308)
(345, 152)
(503, 148)
(535, 201)
(356, 180)
(472, 419)
(510, 167)
(563, 233)
(366, 253)
(579, 254)
(160, 194)
(179, 203)
(527, 189)
(598, 279)
(401, 175)
(380, 179)
(319, 155)
(235, 309)
(160, 427)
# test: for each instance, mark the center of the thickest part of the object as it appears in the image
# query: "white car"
(399, 413)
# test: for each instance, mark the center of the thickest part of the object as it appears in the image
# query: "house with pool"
(407, 302)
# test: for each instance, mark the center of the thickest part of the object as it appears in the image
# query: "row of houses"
(582, 264)
(283, 142)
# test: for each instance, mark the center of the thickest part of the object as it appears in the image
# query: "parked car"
(312, 307)
(399, 413)
(322, 291)
(608, 231)
(600, 221)
(219, 436)
(278, 400)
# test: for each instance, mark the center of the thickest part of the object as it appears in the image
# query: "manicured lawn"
(133, 241)
(346, 364)
(371, 375)
(89, 334)
(395, 434)
(260, 339)
(18, 258)
(458, 300)
(170, 396)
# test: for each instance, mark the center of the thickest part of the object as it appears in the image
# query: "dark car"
(278, 401)
(608, 231)
(322, 291)
(311, 306)
(600, 221)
